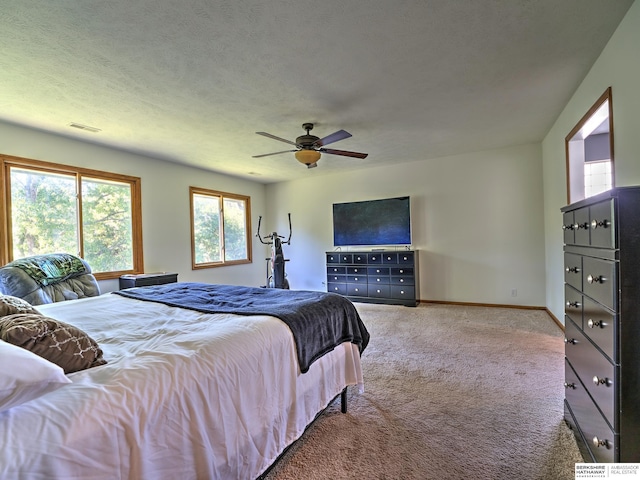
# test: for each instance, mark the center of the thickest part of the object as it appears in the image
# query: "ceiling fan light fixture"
(307, 157)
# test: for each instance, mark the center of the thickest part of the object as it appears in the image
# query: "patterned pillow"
(60, 343)
(10, 305)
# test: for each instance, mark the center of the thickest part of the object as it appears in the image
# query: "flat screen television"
(373, 222)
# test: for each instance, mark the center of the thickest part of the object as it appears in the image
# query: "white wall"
(477, 221)
(165, 200)
(618, 66)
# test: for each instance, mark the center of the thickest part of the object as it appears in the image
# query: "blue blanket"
(319, 321)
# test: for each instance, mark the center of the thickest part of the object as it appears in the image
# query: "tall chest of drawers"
(374, 277)
(602, 324)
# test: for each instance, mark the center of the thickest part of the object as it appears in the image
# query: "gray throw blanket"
(319, 321)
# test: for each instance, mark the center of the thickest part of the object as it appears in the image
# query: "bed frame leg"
(343, 400)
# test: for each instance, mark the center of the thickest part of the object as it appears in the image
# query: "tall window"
(56, 208)
(220, 228)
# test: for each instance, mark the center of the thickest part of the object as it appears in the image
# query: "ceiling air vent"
(85, 127)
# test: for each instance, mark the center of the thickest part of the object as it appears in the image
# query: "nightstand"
(146, 279)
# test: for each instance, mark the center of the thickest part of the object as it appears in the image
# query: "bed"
(188, 391)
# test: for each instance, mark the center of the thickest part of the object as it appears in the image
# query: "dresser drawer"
(594, 427)
(600, 327)
(346, 258)
(581, 225)
(339, 270)
(379, 280)
(403, 292)
(573, 304)
(568, 228)
(378, 271)
(360, 258)
(594, 369)
(356, 270)
(398, 271)
(340, 288)
(406, 258)
(599, 281)
(602, 225)
(333, 258)
(336, 278)
(390, 258)
(357, 279)
(357, 289)
(573, 270)
(401, 280)
(379, 291)
(374, 258)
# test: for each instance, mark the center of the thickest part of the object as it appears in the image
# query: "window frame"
(575, 159)
(6, 238)
(221, 196)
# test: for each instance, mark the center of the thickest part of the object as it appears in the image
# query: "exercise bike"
(277, 278)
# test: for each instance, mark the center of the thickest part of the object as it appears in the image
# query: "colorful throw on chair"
(51, 268)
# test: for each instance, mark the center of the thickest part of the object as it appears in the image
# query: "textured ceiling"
(190, 81)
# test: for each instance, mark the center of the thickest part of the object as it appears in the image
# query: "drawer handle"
(570, 385)
(573, 304)
(600, 443)
(596, 279)
(597, 323)
(602, 381)
(604, 224)
(572, 341)
(584, 226)
(571, 226)
(572, 270)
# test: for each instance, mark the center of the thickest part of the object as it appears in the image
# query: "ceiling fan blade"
(265, 134)
(274, 153)
(334, 137)
(344, 153)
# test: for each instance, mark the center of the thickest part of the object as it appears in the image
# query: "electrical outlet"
(514, 292)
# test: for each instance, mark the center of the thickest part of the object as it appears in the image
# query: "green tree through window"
(54, 208)
(220, 228)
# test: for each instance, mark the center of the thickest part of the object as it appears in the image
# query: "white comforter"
(185, 395)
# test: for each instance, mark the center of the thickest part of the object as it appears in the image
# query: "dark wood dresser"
(375, 277)
(147, 279)
(602, 324)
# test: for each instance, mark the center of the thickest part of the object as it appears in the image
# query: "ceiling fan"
(309, 147)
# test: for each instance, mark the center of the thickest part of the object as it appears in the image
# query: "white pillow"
(25, 376)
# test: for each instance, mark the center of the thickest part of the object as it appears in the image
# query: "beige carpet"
(451, 392)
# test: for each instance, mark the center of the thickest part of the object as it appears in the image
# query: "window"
(589, 149)
(597, 177)
(56, 208)
(220, 228)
